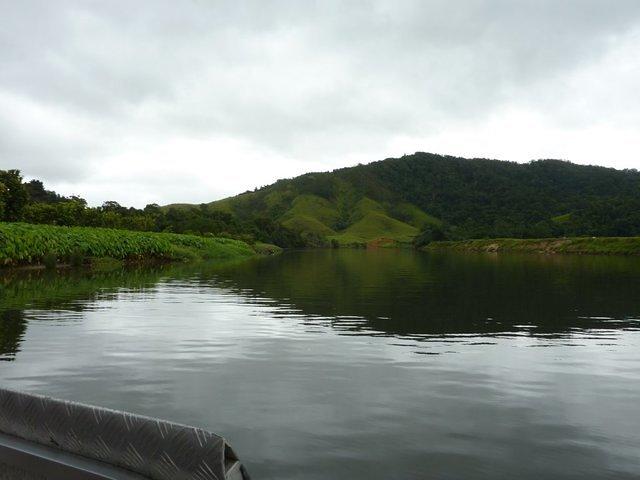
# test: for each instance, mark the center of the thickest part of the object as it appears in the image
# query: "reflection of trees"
(395, 292)
(12, 328)
(20, 290)
(403, 292)
(50, 290)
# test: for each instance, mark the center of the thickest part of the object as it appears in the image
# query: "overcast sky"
(193, 100)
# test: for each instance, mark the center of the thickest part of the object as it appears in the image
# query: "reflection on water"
(12, 328)
(354, 364)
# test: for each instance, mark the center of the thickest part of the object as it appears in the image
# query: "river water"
(353, 364)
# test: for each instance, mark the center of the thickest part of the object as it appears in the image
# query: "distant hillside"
(395, 199)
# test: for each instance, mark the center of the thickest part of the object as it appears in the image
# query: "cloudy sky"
(194, 100)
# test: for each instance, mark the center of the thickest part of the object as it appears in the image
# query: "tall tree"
(13, 195)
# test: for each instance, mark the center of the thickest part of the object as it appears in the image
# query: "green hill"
(376, 226)
(307, 225)
(426, 196)
(314, 207)
(414, 216)
(347, 217)
(468, 198)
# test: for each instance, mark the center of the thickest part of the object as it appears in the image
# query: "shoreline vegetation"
(421, 201)
(546, 246)
(49, 246)
(24, 245)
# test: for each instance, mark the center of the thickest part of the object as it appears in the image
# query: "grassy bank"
(579, 245)
(27, 244)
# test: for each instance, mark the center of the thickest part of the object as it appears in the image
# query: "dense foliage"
(423, 196)
(13, 195)
(486, 198)
(469, 198)
(31, 202)
(23, 243)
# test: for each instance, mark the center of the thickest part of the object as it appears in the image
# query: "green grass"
(414, 216)
(376, 226)
(224, 205)
(577, 245)
(304, 224)
(233, 205)
(278, 200)
(365, 206)
(560, 219)
(311, 215)
(315, 207)
(24, 244)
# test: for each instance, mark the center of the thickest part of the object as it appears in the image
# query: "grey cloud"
(311, 80)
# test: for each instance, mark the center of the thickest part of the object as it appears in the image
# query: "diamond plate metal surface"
(153, 448)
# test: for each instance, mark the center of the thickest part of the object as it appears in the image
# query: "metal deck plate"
(67, 440)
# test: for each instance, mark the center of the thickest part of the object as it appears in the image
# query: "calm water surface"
(354, 364)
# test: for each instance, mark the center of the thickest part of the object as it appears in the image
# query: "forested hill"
(464, 198)
(416, 198)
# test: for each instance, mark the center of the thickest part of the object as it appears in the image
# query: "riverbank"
(578, 245)
(23, 244)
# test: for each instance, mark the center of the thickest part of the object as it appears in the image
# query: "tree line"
(30, 202)
(473, 198)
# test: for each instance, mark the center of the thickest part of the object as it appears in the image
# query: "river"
(354, 364)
